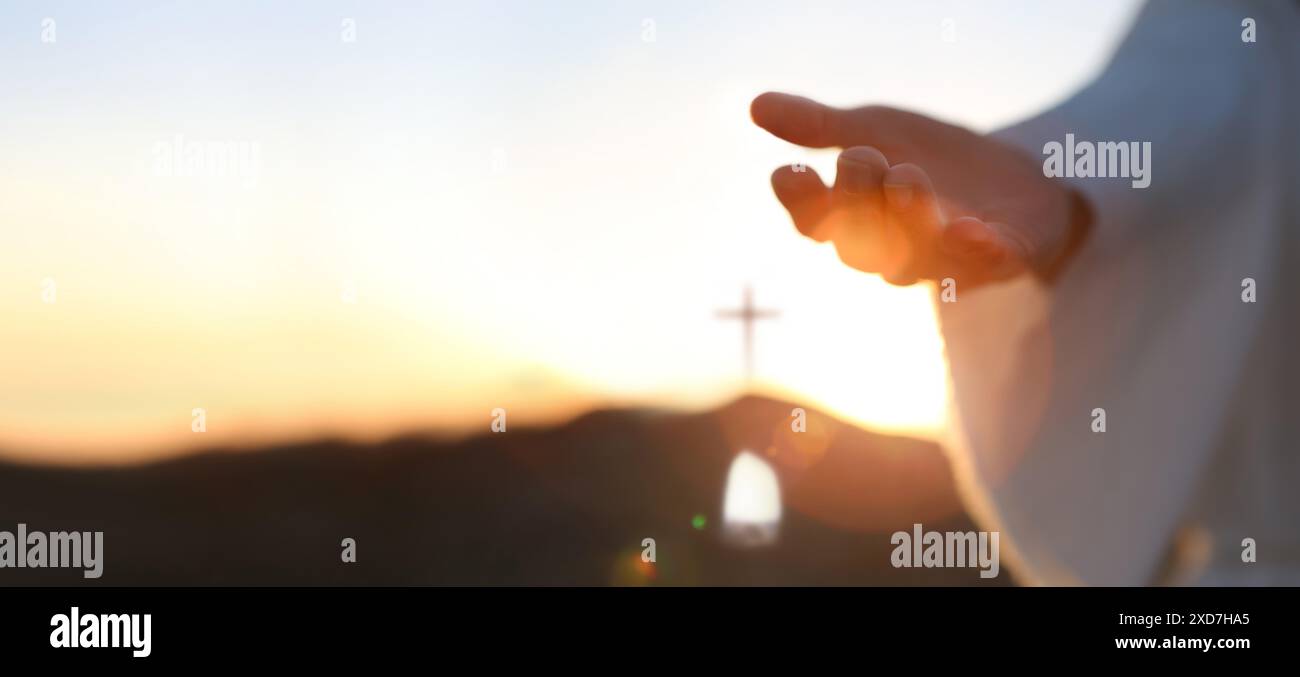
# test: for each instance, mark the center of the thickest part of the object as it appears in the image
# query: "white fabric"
(1199, 389)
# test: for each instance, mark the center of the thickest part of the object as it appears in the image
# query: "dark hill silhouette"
(567, 505)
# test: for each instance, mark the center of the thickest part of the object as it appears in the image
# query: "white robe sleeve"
(1147, 322)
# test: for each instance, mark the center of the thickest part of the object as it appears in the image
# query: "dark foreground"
(568, 505)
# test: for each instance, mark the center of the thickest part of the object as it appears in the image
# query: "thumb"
(805, 122)
(795, 119)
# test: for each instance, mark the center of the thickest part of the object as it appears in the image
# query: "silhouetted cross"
(747, 313)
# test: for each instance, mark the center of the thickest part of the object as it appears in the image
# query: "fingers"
(889, 220)
(910, 195)
(858, 176)
(808, 200)
(864, 238)
(912, 207)
(990, 248)
(852, 213)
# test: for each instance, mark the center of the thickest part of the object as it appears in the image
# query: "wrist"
(1078, 224)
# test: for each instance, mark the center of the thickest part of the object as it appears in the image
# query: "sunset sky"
(474, 205)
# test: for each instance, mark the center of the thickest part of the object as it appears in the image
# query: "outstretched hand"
(915, 198)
